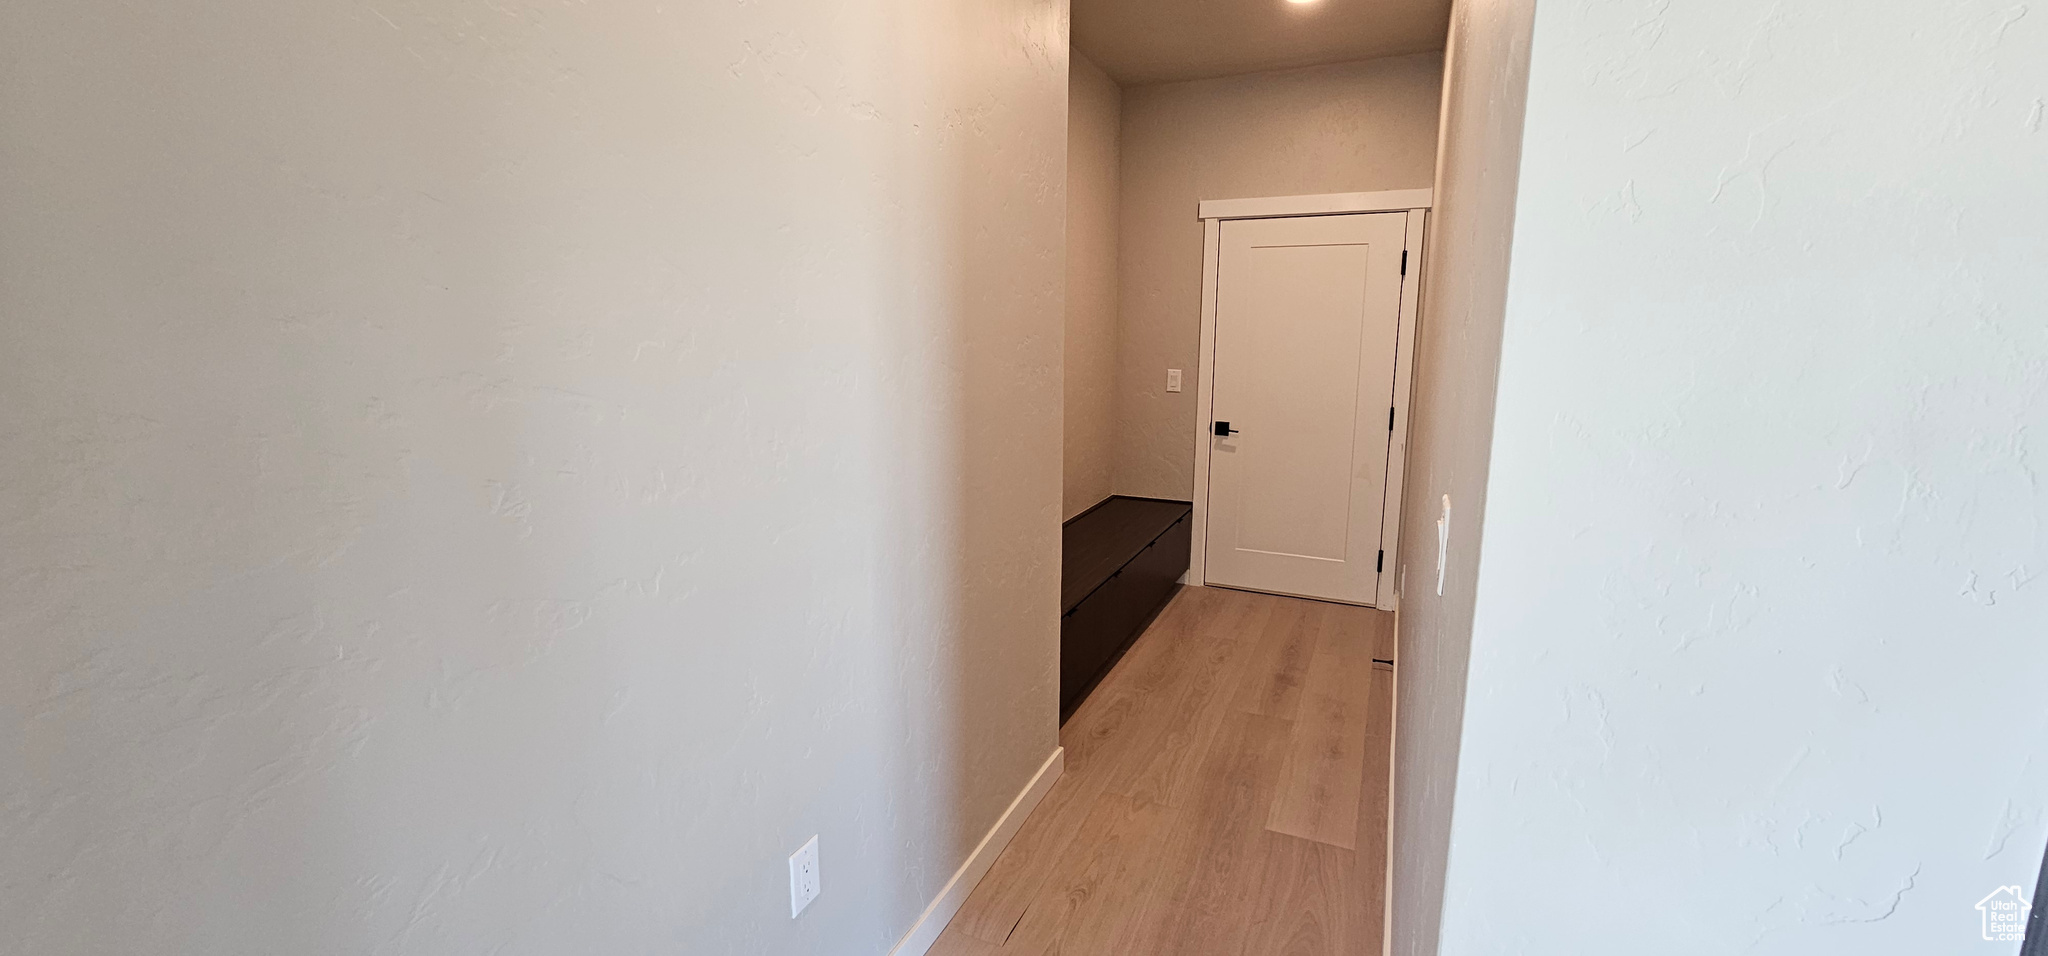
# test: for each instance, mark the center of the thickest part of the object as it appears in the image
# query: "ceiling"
(1156, 41)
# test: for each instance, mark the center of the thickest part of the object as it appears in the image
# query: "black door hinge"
(1390, 419)
(1382, 565)
(1404, 262)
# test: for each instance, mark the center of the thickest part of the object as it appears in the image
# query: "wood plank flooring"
(1225, 793)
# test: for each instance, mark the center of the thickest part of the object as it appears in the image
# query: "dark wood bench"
(1121, 563)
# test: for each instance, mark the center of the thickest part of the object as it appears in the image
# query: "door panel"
(1307, 314)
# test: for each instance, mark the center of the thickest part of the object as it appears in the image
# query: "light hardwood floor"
(1225, 793)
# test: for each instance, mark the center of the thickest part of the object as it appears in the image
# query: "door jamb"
(1327, 204)
(1416, 203)
(1404, 394)
(1205, 375)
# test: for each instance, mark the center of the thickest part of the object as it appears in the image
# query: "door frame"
(1213, 212)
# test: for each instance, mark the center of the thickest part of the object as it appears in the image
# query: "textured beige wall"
(1757, 656)
(1465, 287)
(1095, 108)
(1355, 126)
(497, 478)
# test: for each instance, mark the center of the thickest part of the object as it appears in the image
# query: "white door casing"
(1308, 329)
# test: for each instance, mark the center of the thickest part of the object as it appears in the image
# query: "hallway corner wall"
(1758, 656)
(1094, 119)
(1464, 299)
(500, 478)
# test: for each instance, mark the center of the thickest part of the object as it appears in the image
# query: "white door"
(1308, 314)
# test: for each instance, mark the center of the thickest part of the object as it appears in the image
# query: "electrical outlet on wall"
(1173, 380)
(803, 878)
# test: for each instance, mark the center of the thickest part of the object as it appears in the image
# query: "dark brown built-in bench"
(1122, 561)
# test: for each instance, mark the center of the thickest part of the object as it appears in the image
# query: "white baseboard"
(928, 927)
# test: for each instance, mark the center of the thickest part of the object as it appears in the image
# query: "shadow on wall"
(502, 485)
(973, 556)
(1464, 306)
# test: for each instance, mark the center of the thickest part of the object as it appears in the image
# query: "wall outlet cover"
(1173, 380)
(803, 878)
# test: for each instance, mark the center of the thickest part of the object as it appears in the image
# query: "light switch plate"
(1443, 544)
(1173, 380)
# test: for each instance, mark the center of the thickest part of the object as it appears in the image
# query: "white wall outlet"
(1173, 380)
(803, 878)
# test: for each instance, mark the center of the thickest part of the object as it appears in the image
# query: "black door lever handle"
(1223, 430)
